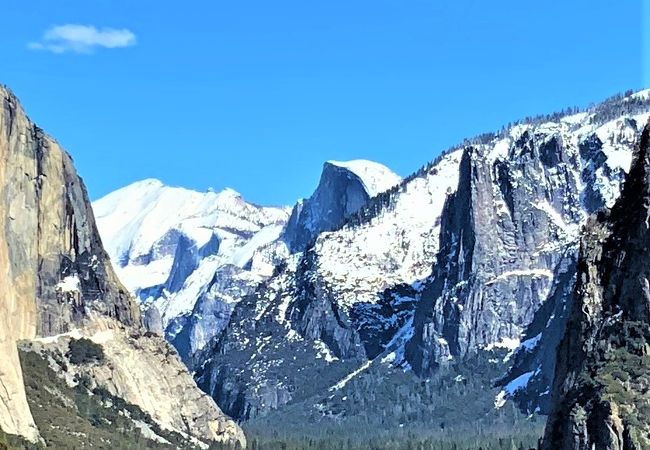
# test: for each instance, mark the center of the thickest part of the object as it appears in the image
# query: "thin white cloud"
(82, 39)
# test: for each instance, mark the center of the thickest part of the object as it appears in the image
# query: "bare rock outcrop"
(602, 376)
(141, 368)
(55, 278)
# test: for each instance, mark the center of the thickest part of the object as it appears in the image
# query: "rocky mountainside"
(475, 252)
(343, 189)
(191, 256)
(468, 264)
(509, 232)
(57, 284)
(603, 366)
(606, 155)
(188, 256)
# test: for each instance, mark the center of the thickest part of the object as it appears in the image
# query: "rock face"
(503, 234)
(474, 252)
(134, 359)
(50, 234)
(56, 277)
(55, 271)
(603, 366)
(190, 256)
(605, 147)
(189, 333)
(508, 242)
(343, 189)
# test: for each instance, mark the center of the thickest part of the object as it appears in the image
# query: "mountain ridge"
(189, 267)
(305, 302)
(472, 255)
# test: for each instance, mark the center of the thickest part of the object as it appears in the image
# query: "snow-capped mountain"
(473, 253)
(142, 224)
(343, 189)
(334, 305)
(168, 243)
(191, 256)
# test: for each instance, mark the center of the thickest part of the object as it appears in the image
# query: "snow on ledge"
(500, 400)
(69, 284)
(506, 342)
(519, 383)
(324, 351)
(515, 385)
(535, 273)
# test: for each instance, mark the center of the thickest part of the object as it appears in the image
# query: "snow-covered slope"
(459, 258)
(191, 256)
(167, 243)
(398, 246)
(376, 177)
(142, 223)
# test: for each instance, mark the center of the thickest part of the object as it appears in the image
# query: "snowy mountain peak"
(154, 184)
(142, 223)
(343, 189)
(376, 177)
(229, 192)
(147, 182)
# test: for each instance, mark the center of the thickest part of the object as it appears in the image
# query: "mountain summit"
(191, 256)
(343, 189)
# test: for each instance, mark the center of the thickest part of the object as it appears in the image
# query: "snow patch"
(341, 384)
(69, 284)
(506, 342)
(519, 383)
(571, 229)
(376, 177)
(530, 344)
(535, 273)
(500, 400)
(265, 236)
(324, 351)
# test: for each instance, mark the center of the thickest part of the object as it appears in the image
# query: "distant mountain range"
(504, 281)
(467, 266)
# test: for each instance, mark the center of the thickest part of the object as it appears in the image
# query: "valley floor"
(382, 409)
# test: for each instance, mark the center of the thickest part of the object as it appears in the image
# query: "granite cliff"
(603, 364)
(56, 280)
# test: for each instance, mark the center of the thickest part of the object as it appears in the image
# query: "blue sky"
(256, 94)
